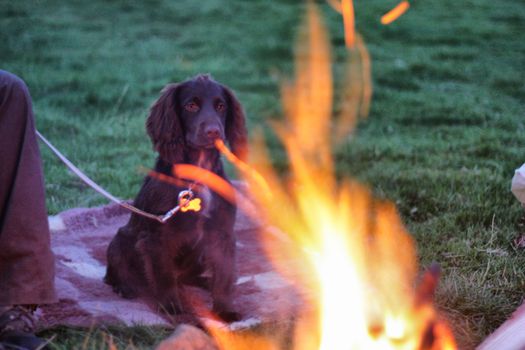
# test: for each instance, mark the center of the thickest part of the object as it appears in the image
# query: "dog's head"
(192, 115)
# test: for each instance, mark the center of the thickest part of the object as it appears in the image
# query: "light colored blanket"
(79, 239)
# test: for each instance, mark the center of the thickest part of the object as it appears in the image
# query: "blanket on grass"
(79, 239)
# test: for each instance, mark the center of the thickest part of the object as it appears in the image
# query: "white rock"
(56, 223)
(187, 337)
(518, 184)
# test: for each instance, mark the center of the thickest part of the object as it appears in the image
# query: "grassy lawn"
(445, 132)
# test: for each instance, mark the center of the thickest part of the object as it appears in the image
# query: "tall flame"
(355, 254)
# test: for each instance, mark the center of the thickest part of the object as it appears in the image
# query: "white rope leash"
(184, 198)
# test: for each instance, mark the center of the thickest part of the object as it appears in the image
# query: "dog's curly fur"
(150, 259)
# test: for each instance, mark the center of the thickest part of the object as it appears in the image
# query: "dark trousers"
(26, 261)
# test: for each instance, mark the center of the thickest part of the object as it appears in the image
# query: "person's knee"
(14, 84)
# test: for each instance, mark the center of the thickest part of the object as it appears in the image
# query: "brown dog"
(150, 259)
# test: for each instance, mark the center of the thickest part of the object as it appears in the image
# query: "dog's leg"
(160, 275)
(220, 258)
(120, 270)
(190, 266)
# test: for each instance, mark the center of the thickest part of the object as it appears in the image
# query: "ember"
(397, 11)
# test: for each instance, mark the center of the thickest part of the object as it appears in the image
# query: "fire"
(346, 8)
(397, 11)
(352, 251)
(200, 175)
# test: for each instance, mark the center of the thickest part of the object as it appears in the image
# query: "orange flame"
(240, 165)
(167, 179)
(227, 340)
(394, 14)
(356, 99)
(347, 7)
(363, 260)
(358, 93)
(208, 178)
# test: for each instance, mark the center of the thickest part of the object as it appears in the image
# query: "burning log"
(427, 287)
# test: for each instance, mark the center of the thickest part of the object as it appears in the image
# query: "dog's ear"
(164, 127)
(236, 133)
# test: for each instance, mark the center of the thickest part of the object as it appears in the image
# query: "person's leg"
(26, 261)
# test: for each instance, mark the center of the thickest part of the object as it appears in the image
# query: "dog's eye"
(220, 107)
(191, 107)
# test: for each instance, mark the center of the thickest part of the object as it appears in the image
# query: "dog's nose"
(213, 132)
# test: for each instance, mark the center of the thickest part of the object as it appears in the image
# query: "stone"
(187, 337)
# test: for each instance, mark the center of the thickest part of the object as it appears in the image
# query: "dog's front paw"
(201, 282)
(125, 292)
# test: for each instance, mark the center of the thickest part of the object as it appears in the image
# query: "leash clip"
(185, 197)
(186, 202)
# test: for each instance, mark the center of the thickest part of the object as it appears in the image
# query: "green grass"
(137, 337)
(445, 132)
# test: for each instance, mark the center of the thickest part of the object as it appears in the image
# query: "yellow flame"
(353, 251)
